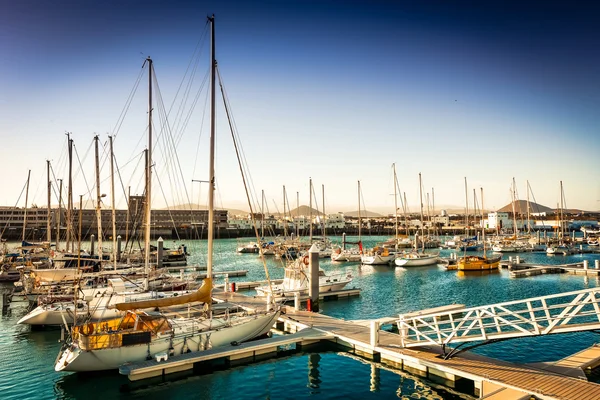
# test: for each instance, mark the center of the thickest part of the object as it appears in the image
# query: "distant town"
(33, 223)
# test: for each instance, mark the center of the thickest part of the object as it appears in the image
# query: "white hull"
(246, 328)
(98, 308)
(279, 291)
(347, 256)
(420, 260)
(377, 259)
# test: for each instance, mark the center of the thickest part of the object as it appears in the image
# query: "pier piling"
(92, 244)
(313, 265)
(159, 253)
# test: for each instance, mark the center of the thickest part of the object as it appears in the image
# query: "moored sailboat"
(140, 335)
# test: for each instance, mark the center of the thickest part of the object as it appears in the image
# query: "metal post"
(518, 259)
(313, 265)
(344, 241)
(374, 333)
(597, 264)
(92, 244)
(586, 264)
(226, 283)
(159, 253)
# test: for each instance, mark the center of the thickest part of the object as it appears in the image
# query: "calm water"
(27, 357)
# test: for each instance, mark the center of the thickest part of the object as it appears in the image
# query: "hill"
(520, 207)
(363, 214)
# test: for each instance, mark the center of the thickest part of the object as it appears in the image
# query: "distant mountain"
(363, 213)
(520, 207)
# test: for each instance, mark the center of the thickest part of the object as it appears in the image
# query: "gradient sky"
(333, 90)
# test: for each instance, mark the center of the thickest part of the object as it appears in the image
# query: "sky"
(333, 91)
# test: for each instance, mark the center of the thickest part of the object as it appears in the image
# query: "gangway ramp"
(559, 313)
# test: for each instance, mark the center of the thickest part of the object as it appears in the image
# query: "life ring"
(305, 260)
(87, 329)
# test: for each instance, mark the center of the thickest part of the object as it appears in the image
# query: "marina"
(160, 266)
(353, 332)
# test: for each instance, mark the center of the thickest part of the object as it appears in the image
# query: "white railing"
(558, 313)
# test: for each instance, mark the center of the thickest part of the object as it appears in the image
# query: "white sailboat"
(416, 258)
(140, 335)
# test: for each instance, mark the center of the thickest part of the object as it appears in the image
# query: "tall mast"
(114, 213)
(395, 206)
(69, 218)
(562, 233)
(48, 222)
(298, 214)
(405, 215)
(310, 208)
(211, 168)
(482, 225)
(359, 220)
(98, 200)
(262, 211)
(421, 200)
(26, 200)
(148, 208)
(528, 217)
(513, 195)
(285, 226)
(475, 210)
(59, 216)
(466, 208)
(324, 227)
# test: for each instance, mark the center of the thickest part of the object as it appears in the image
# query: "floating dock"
(489, 378)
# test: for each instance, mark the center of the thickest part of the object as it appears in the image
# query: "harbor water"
(27, 356)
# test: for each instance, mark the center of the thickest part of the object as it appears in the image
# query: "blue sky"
(336, 91)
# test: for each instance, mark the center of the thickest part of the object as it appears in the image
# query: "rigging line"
(12, 212)
(234, 131)
(193, 105)
(121, 119)
(201, 130)
(87, 186)
(168, 208)
(194, 60)
(237, 153)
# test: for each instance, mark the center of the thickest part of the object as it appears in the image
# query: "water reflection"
(314, 380)
(375, 378)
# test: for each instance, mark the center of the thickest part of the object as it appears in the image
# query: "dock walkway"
(426, 361)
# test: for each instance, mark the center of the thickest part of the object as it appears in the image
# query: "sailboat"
(561, 247)
(477, 263)
(139, 335)
(353, 254)
(416, 258)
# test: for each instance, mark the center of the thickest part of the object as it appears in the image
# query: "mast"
(298, 214)
(562, 233)
(69, 218)
(211, 168)
(59, 216)
(528, 217)
(284, 216)
(262, 211)
(422, 227)
(359, 220)
(114, 213)
(148, 207)
(48, 222)
(26, 200)
(395, 206)
(406, 215)
(466, 208)
(513, 195)
(78, 259)
(310, 208)
(98, 201)
(482, 226)
(324, 227)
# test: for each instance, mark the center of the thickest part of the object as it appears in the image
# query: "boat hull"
(417, 261)
(73, 358)
(474, 263)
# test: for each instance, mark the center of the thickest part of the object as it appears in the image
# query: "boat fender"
(235, 343)
(305, 260)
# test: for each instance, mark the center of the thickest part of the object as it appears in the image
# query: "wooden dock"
(245, 351)
(525, 270)
(490, 378)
